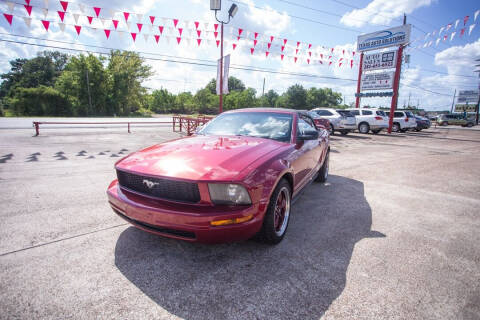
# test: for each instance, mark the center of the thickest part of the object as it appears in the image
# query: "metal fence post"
(37, 128)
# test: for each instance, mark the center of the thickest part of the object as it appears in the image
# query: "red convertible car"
(233, 180)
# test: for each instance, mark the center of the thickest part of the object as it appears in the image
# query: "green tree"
(162, 101)
(184, 103)
(205, 101)
(271, 98)
(296, 97)
(40, 101)
(234, 84)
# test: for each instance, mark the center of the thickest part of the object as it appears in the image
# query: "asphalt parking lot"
(393, 234)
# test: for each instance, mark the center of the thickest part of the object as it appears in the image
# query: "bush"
(40, 101)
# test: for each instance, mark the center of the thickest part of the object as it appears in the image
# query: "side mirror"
(308, 135)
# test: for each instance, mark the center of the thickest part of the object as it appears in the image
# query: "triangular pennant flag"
(168, 39)
(139, 26)
(462, 32)
(445, 38)
(175, 22)
(160, 28)
(353, 54)
(46, 24)
(266, 54)
(81, 7)
(284, 41)
(11, 6)
(448, 26)
(45, 13)
(296, 51)
(234, 45)
(62, 26)
(271, 39)
(134, 36)
(298, 44)
(28, 21)
(157, 37)
(90, 19)
(240, 31)
(453, 35)
(465, 19)
(475, 15)
(64, 5)
(281, 56)
(199, 33)
(330, 63)
(215, 34)
(269, 45)
(75, 17)
(145, 37)
(61, 14)
(309, 45)
(340, 64)
(215, 26)
(28, 2)
(308, 61)
(206, 24)
(189, 41)
(196, 24)
(150, 28)
(28, 8)
(103, 21)
(9, 18)
(178, 40)
(107, 33)
(282, 48)
(78, 29)
(139, 16)
(186, 23)
(180, 31)
(199, 41)
(218, 42)
(120, 34)
(115, 24)
(111, 12)
(441, 29)
(295, 59)
(126, 15)
(255, 42)
(129, 25)
(97, 10)
(152, 19)
(471, 28)
(255, 35)
(456, 23)
(351, 64)
(320, 61)
(436, 42)
(310, 53)
(252, 50)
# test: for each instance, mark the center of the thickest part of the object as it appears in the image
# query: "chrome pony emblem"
(149, 184)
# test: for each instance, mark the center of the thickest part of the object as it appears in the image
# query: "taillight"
(406, 119)
(378, 118)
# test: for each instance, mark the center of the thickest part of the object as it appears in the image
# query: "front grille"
(160, 188)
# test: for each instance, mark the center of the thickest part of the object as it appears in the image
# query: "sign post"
(357, 101)
(396, 84)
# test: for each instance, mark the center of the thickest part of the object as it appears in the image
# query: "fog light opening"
(231, 221)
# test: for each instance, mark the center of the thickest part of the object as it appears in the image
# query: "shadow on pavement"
(297, 279)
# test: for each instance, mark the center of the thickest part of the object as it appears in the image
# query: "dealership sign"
(384, 38)
(377, 81)
(467, 96)
(465, 107)
(381, 60)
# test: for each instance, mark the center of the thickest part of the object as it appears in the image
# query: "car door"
(305, 153)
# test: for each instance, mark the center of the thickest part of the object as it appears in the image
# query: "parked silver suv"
(340, 120)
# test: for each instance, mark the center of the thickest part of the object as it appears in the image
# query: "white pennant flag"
(453, 35)
(62, 26)
(129, 24)
(28, 21)
(470, 29)
(164, 20)
(189, 41)
(441, 29)
(150, 28)
(45, 13)
(46, 3)
(436, 42)
(190, 32)
(75, 17)
(186, 22)
(430, 43)
(103, 21)
(120, 34)
(81, 7)
(425, 44)
(145, 36)
(206, 25)
(476, 15)
(111, 12)
(428, 34)
(210, 42)
(170, 30)
(139, 17)
(168, 40)
(10, 5)
(94, 30)
(456, 23)
(247, 35)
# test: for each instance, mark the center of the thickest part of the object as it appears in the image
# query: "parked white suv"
(403, 121)
(340, 120)
(370, 119)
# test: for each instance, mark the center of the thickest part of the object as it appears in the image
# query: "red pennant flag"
(29, 9)
(309, 45)
(320, 61)
(462, 32)
(178, 40)
(329, 57)
(61, 14)
(115, 23)
(78, 29)
(321, 55)
(281, 56)
(283, 48)
(45, 23)
(28, 2)
(215, 26)
(298, 43)
(196, 24)
(295, 59)
(215, 34)
(107, 33)
(90, 19)
(234, 45)
(240, 31)
(340, 64)
(134, 36)
(218, 42)
(139, 26)
(9, 18)
(465, 20)
(256, 35)
(284, 41)
(126, 15)
(251, 50)
(199, 32)
(161, 29)
(266, 53)
(238, 38)
(310, 53)
(308, 61)
(340, 59)
(271, 38)
(152, 19)
(269, 45)
(353, 54)
(330, 63)
(343, 52)
(97, 10)
(199, 41)
(351, 64)
(175, 22)
(296, 51)
(64, 5)
(180, 30)
(255, 42)
(332, 49)
(445, 38)
(157, 37)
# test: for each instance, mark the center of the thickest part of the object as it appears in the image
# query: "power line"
(427, 90)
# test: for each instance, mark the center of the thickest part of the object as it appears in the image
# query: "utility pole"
(453, 100)
(88, 90)
(409, 95)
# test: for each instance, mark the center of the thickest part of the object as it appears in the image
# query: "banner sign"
(381, 60)
(467, 96)
(465, 107)
(384, 38)
(374, 94)
(377, 81)
(226, 67)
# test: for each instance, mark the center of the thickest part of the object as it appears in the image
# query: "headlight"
(231, 194)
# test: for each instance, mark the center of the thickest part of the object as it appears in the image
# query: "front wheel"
(323, 172)
(469, 124)
(363, 127)
(445, 123)
(277, 216)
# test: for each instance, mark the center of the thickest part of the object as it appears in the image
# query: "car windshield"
(409, 114)
(276, 126)
(345, 113)
(381, 113)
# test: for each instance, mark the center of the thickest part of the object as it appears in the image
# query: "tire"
(469, 124)
(322, 174)
(332, 129)
(403, 130)
(344, 132)
(376, 131)
(276, 218)
(363, 127)
(445, 123)
(396, 127)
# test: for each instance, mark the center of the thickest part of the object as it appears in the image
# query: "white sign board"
(467, 96)
(384, 38)
(381, 60)
(377, 81)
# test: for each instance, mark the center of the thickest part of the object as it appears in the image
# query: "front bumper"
(185, 221)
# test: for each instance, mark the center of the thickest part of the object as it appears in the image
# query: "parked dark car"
(422, 123)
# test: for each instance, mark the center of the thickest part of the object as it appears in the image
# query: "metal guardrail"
(188, 123)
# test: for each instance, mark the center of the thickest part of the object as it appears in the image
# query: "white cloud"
(459, 59)
(382, 12)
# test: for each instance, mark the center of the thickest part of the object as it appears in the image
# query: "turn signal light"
(231, 221)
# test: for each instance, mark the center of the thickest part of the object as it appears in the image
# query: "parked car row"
(368, 120)
(455, 119)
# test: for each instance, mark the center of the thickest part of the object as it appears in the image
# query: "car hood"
(199, 157)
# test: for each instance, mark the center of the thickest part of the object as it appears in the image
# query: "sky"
(429, 80)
